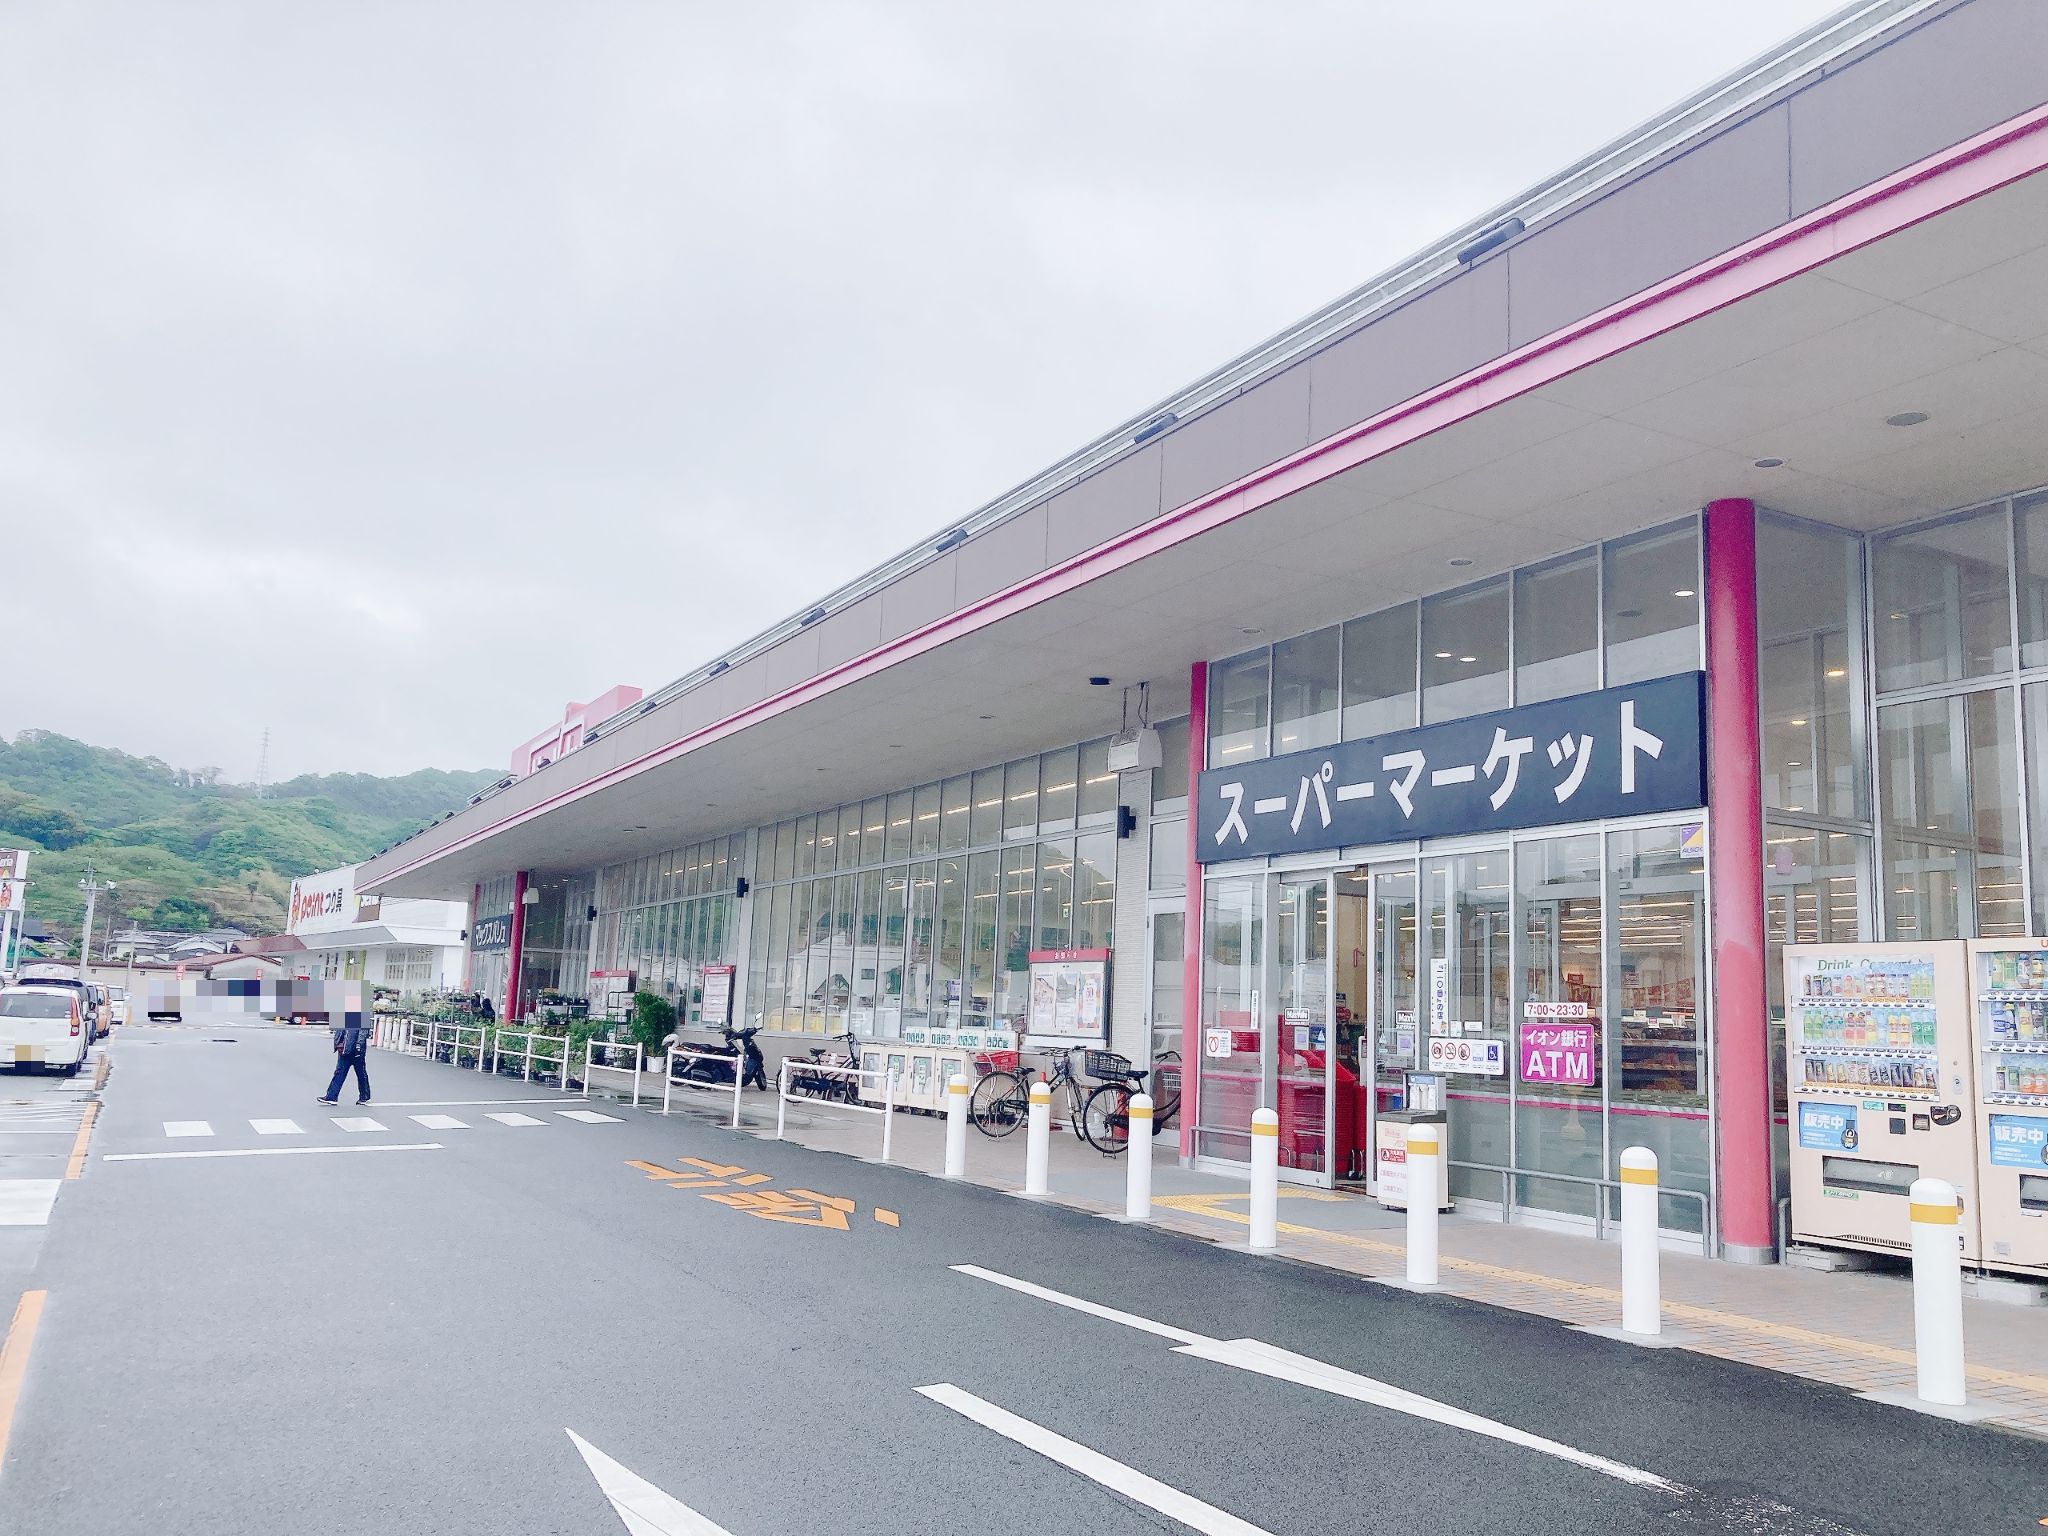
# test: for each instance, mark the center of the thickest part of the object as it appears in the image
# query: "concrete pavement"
(307, 1335)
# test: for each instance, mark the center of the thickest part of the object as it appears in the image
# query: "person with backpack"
(351, 1050)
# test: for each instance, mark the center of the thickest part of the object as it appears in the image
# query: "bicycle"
(1002, 1099)
(1106, 1116)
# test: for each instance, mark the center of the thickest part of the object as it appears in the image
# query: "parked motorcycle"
(738, 1051)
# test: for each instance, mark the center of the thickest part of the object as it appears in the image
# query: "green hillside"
(185, 850)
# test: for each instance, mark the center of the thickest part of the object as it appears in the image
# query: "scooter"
(740, 1050)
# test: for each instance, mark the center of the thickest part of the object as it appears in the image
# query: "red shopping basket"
(997, 1061)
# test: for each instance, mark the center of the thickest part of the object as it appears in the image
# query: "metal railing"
(553, 1052)
(456, 1038)
(592, 1064)
(1601, 1220)
(854, 1075)
(737, 1064)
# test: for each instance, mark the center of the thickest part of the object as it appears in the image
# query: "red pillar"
(1742, 1068)
(510, 1012)
(1191, 925)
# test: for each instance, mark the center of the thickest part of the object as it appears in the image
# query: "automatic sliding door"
(1297, 1066)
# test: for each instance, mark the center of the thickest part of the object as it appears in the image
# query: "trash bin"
(1390, 1155)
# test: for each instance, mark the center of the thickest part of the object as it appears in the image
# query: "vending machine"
(2009, 985)
(1879, 1079)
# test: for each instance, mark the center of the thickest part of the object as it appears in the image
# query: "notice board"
(1069, 997)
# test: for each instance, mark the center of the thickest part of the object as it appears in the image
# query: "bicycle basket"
(997, 1061)
(1108, 1066)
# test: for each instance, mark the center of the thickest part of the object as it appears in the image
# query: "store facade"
(1592, 629)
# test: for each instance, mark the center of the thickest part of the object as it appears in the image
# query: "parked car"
(99, 1009)
(118, 998)
(44, 1023)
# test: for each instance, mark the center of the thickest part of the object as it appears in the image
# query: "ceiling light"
(1906, 419)
(1836, 672)
(1468, 658)
(1683, 592)
(1460, 561)
(1770, 463)
(1898, 615)
(1796, 722)
(1443, 655)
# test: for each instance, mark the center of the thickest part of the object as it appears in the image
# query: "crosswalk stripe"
(187, 1128)
(276, 1128)
(588, 1116)
(357, 1123)
(27, 1202)
(441, 1122)
(515, 1120)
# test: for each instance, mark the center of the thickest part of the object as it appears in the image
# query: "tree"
(181, 913)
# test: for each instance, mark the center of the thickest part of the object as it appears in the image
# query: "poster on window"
(718, 996)
(1069, 997)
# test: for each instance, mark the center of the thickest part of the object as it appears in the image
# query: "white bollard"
(1937, 1292)
(1425, 1169)
(1642, 1297)
(1265, 1212)
(1038, 1140)
(957, 1093)
(1138, 1148)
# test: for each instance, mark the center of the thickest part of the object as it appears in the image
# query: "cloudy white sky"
(388, 374)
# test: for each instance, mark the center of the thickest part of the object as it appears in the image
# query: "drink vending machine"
(2009, 987)
(1880, 1087)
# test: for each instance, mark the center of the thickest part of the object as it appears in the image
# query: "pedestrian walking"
(351, 1049)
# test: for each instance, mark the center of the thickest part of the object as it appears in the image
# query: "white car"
(118, 996)
(43, 1026)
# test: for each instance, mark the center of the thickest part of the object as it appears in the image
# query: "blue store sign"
(491, 933)
(1619, 752)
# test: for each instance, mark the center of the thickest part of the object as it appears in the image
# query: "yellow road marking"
(1707, 1317)
(78, 1143)
(887, 1218)
(21, 1334)
(99, 1077)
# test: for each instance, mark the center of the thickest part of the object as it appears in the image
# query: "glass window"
(867, 949)
(1020, 798)
(1055, 895)
(1466, 928)
(1306, 712)
(952, 941)
(775, 998)
(1997, 839)
(1013, 983)
(984, 920)
(1659, 894)
(828, 842)
(785, 850)
(924, 906)
(1809, 597)
(955, 800)
(924, 819)
(1059, 783)
(806, 846)
(1094, 889)
(1237, 709)
(1169, 862)
(1943, 610)
(874, 824)
(1652, 605)
(1232, 952)
(1379, 673)
(896, 841)
(1557, 1125)
(2030, 518)
(893, 953)
(1952, 825)
(1465, 652)
(1098, 784)
(985, 823)
(1557, 629)
(1170, 778)
(1169, 984)
(2036, 703)
(849, 836)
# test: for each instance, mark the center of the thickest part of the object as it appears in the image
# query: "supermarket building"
(1647, 575)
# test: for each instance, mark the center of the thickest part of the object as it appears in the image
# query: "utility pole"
(92, 888)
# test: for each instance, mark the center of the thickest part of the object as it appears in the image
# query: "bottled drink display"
(2012, 1003)
(1868, 1023)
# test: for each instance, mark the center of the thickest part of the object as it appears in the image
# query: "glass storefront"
(663, 917)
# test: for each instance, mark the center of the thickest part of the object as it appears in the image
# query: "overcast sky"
(388, 374)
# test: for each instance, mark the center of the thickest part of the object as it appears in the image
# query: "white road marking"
(27, 1202)
(358, 1123)
(457, 1103)
(441, 1122)
(187, 1128)
(644, 1508)
(515, 1119)
(1093, 1465)
(389, 1146)
(1285, 1365)
(588, 1116)
(276, 1128)
(1093, 1309)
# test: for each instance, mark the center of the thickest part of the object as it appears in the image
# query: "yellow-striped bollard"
(1265, 1179)
(1038, 1140)
(1425, 1169)
(957, 1090)
(1937, 1292)
(1138, 1148)
(1642, 1300)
